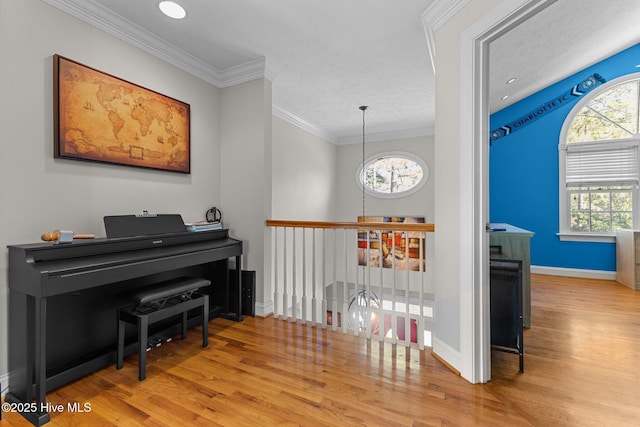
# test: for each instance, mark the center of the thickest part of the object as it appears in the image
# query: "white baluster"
(304, 276)
(285, 297)
(314, 301)
(407, 319)
(334, 304)
(421, 325)
(323, 313)
(381, 296)
(294, 297)
(394, 291)
(345, 285)
(366, 283)
(274, 257)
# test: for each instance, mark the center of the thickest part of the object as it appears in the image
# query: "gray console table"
(515, 243)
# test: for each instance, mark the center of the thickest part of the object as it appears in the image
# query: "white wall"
(246, 170)
(450, 147)
(304, 177)
(38, 193)
(304, 174)
(349, 192)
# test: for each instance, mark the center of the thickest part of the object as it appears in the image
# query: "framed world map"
(102, 118)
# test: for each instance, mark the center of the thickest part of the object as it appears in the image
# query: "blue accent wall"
(523, 171)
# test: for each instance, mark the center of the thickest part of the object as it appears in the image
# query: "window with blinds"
(599, 163)
(611, 164)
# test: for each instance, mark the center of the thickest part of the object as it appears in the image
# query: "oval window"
(393, 174)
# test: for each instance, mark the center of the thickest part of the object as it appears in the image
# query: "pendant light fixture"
(364, 301)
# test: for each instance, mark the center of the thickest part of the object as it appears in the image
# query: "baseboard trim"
(446, 355)
(264, 309)
(573, 272)
(445, 363)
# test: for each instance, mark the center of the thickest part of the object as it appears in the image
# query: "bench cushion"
(166, 289)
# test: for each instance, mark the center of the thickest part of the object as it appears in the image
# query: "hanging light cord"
(362, 298)
(364, 177)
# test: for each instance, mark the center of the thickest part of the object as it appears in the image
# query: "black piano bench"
(158, 302)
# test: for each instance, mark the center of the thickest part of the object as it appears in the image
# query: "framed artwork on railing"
(102, 118)
(394, 249)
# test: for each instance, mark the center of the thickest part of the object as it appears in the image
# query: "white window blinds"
(610, 165)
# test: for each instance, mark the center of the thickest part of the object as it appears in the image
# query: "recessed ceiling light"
(511, 80)
(504, 97)
(172, 9)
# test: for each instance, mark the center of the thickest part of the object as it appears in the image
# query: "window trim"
(403, 154)
(565, 234)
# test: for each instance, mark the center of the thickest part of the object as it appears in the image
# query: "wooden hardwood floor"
(582, 358)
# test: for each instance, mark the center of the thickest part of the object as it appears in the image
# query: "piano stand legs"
(143, 320)
(143, 338)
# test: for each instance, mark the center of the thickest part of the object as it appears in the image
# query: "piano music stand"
(142, 225)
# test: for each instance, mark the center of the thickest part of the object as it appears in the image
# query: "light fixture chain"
(364, 174)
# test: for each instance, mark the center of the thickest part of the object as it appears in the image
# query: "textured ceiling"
(328, 57)
(325, 58)
(562, 39)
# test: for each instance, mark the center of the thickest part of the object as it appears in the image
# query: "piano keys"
(63, 301)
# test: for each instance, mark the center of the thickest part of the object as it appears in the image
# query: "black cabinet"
(506, 307)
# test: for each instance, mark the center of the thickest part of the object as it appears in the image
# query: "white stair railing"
(362, 277)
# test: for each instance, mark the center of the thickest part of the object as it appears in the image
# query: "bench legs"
(120, 351)
(205, 321)
(142, 323)
(143, 331)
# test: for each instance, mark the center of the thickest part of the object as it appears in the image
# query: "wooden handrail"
(395, 226)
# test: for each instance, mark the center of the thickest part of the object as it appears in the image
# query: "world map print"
(103, 118)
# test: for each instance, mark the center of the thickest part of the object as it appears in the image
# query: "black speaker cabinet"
(248, 279)
(506, 307)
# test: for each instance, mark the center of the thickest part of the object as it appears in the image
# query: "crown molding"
(441, 11)
(434, 17)
(287, 116)
(246, 72)
(99, 17)
(125, 30)
(388, 136)
(302, 124)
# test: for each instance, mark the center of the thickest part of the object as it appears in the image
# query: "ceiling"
(326, 58)
(562, 39)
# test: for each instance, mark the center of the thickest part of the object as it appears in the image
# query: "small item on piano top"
(64, 236)
(203, 226)
(213, 215)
